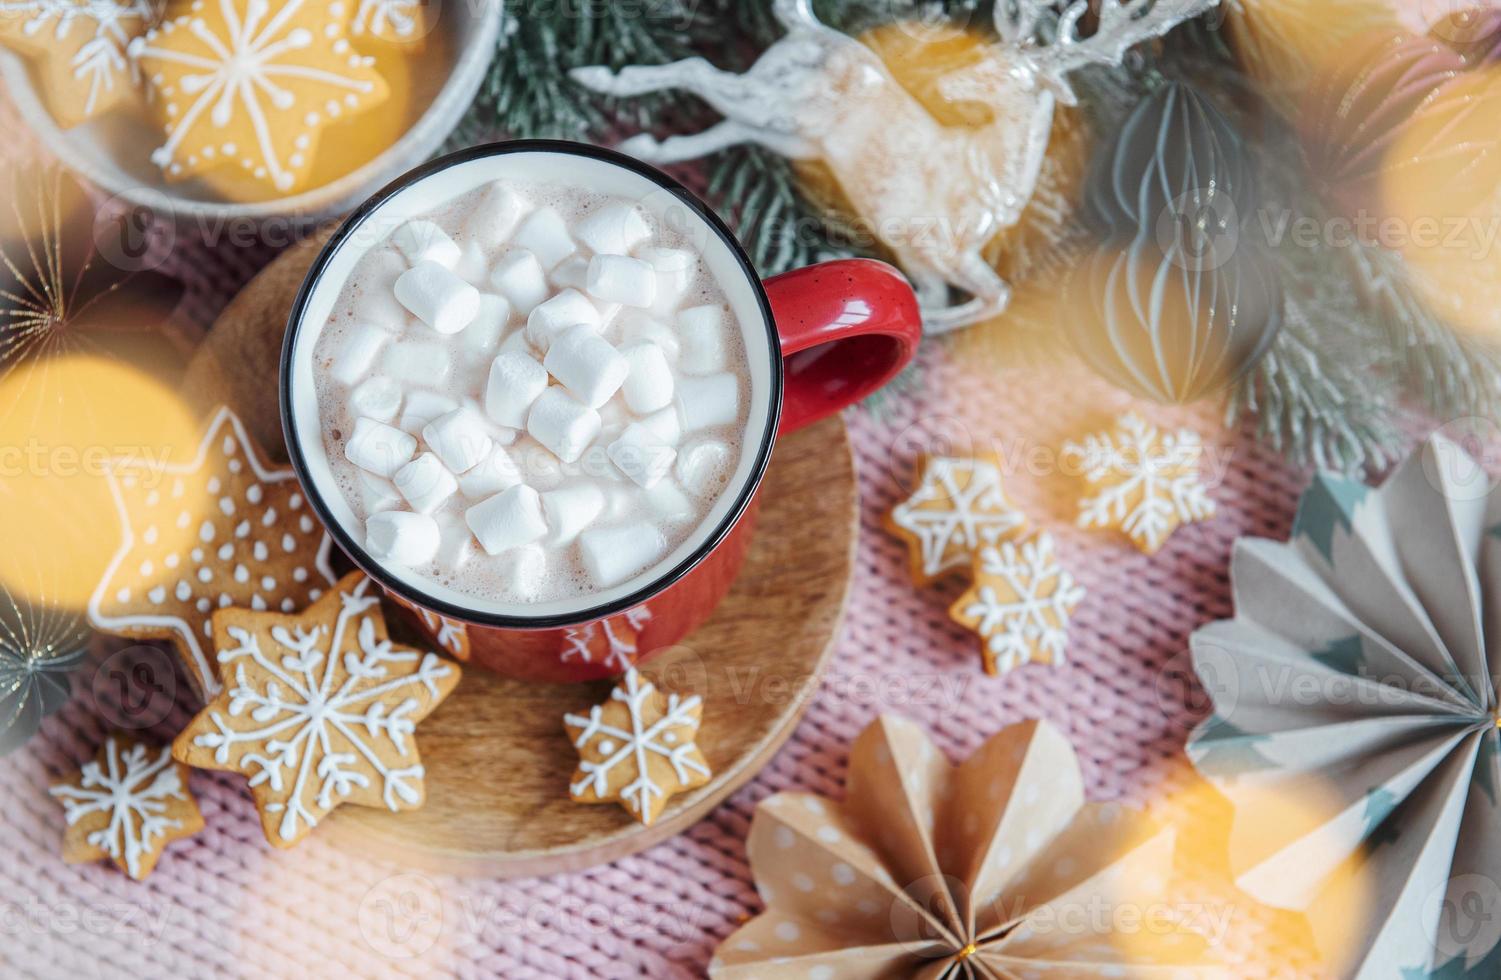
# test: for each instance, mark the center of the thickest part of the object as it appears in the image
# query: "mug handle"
(847, 328)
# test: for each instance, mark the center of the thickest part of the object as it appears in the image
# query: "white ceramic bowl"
(113, 154)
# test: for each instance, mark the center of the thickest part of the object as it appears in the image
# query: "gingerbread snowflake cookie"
(1019, 604)
(223, 529)
(958, 507)
(78, 50)
(126, 806)
(319, 709)
(1144, 481)
(638, 749)
(251, 84)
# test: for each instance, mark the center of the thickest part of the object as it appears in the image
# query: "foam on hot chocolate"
(532, 395)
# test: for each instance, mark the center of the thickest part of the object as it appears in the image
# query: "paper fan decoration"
(997, 868)
(1355, 722)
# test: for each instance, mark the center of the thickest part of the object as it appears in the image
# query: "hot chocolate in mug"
(815, 341)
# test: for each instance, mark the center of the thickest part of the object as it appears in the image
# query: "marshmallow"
(570, 308)
(545, 235)
(648, 386)
(524, 571)
(571, 273)
(425, 483)
(375, 302)
(375, 398)
(377, 494)
(669, 503)
(357, 353)
(510, 518)
(455, 543)
(665, 425)
(570, 509)
(482, 336)
(516, 380)
(401, 537)
(613, 554)
(701, 330)
(614, 229)
(417, 362)
(459, 438)
(422, 407)
(423, 241)
(496, 472)
(377, 448)
(516, 343)
(675, 269)
(474, 265)
(562, 424)
(437, 297)
(519, 278)
(494, 216)
(587, 365)
(710, 401)
(641, 456)
(702, 466)
(636, 326)
(621, 279)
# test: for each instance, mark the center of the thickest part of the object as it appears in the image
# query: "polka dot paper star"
(637, 749)
(958, 506)
(251, 83)
(222, 529)
(1145, 481)
(994, 868)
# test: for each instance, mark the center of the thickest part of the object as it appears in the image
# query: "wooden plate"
(498, 762)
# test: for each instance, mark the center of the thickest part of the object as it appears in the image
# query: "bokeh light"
(62, 421)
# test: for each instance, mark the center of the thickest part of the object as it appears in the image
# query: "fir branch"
(1314, 406)
(1455, 376)
(528, 93)
(757, 193)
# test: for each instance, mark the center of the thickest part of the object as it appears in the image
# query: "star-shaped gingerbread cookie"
(319, 709)
(252, 84)
(224, 529)
(127, 805)
(638, 749)
(1144, 481)
(78, 48)
(958, 507)
(1019, 604)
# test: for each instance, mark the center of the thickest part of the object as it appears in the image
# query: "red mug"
(817, 340)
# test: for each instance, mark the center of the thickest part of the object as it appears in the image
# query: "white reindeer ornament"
(934, 194)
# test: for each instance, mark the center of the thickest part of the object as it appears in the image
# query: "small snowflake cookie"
(251, 84)
(1145, 481)
(223, 529)
(637, 749)
(78, 50)
(1019, 604)
(319, 709)
(127, 805)
(958, 507)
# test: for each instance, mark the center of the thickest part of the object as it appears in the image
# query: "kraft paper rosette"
(996, 868)
(1355, 721)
